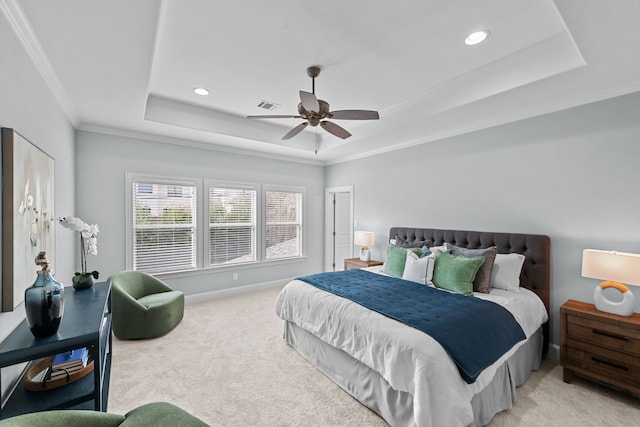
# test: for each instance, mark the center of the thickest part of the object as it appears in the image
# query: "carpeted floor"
(227, 364)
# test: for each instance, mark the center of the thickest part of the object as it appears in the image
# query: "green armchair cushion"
(143, 306)
(161, 414)
(157, 414)
(65, 418)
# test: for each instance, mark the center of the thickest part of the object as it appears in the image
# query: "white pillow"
(415, 268)
(505, 273)
(434, 249)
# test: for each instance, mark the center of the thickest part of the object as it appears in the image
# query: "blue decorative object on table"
(44, 301)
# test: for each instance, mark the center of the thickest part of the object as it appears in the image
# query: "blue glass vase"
(44, 305)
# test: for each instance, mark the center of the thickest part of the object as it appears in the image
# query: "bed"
(405, 375)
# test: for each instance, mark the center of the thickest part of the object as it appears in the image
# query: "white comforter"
(409, 360)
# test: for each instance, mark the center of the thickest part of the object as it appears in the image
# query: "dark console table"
(86, 323)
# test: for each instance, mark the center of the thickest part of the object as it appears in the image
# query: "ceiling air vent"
(268, 105)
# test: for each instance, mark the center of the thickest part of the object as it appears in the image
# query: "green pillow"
(456, 273)
(482, 281)
(396, 258)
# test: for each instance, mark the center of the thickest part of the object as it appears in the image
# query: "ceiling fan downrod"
(313, 72)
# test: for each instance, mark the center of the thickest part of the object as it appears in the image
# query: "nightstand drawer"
(596, 361)
(603, 334)
(600, 346)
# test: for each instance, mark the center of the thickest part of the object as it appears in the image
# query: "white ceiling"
(129, 67)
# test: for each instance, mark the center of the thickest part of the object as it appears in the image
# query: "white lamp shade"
(611, 265)
(364, 238)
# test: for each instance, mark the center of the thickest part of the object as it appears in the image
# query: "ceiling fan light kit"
(316, 112)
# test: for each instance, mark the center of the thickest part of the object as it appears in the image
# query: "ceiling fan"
(315, 111)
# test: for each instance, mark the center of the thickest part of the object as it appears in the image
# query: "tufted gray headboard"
(536, 270)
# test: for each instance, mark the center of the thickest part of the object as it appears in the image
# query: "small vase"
(85, 281)
(44, 305)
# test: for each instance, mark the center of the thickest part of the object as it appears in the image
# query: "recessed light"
(476, 37)
(201, 91)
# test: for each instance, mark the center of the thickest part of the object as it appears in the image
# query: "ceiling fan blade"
(355, 115)
(296, 130)
(276, 116)
(309, 101)
(336, 130)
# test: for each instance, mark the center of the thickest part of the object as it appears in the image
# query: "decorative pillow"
(506, 271)
(483, 278)
(432, 262)
(396, 258)
(415, 268)
(442, 248)
(421, 252)
(456, 273)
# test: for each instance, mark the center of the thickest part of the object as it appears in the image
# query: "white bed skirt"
(396, 407)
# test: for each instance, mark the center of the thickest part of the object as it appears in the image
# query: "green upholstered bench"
(143, 306)
(157, 414)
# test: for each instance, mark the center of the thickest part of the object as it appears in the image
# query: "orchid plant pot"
(84, 280)
(88, 245)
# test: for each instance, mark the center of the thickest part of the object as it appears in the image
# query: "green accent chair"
(157, 414)
(143, 306)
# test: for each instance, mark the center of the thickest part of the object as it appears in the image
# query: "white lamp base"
(365, 255)
(622, 308)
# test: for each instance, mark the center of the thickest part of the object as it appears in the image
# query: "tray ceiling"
(130, 67)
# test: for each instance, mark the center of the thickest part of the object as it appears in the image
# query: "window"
(164, 226)
(232, 225)
(283, 221)
(178, 225)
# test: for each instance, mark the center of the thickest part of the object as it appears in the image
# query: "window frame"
(207, 221)
(130, 232)
(201, 233)
(301, 220)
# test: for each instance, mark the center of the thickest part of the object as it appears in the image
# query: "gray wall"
(27, 105)
(103, 160)
(572, 175)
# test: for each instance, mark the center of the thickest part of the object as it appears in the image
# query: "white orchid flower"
(88, 239)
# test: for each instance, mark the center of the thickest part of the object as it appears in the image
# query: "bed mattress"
(409, 361)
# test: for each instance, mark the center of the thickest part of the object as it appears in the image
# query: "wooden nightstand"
(355, 263)
(600, 346)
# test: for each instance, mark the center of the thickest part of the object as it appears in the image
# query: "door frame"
(329, 222)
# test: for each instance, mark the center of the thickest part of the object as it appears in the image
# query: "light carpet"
(227, 364)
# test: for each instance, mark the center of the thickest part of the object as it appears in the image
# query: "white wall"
(572, 175)
(27, 105)
(103, 160)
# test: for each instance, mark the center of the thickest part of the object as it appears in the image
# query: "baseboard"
(554, 354)
(230, 292)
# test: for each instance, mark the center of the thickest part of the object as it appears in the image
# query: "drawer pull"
(610, 334)
(606, 362)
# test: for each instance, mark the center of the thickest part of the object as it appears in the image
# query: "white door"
(339, 227)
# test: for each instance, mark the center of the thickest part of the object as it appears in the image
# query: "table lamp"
(364, 239)
(612, 267)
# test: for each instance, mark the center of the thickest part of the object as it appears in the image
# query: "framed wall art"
(27, 214)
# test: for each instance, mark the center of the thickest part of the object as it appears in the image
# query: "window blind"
(283, 224)
(232, 225)
(164, 221)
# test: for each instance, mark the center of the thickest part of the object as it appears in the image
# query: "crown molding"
(146, 136)
(23, 31)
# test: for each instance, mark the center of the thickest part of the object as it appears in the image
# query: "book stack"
(67, 363)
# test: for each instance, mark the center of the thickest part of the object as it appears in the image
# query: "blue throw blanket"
(473, 331)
